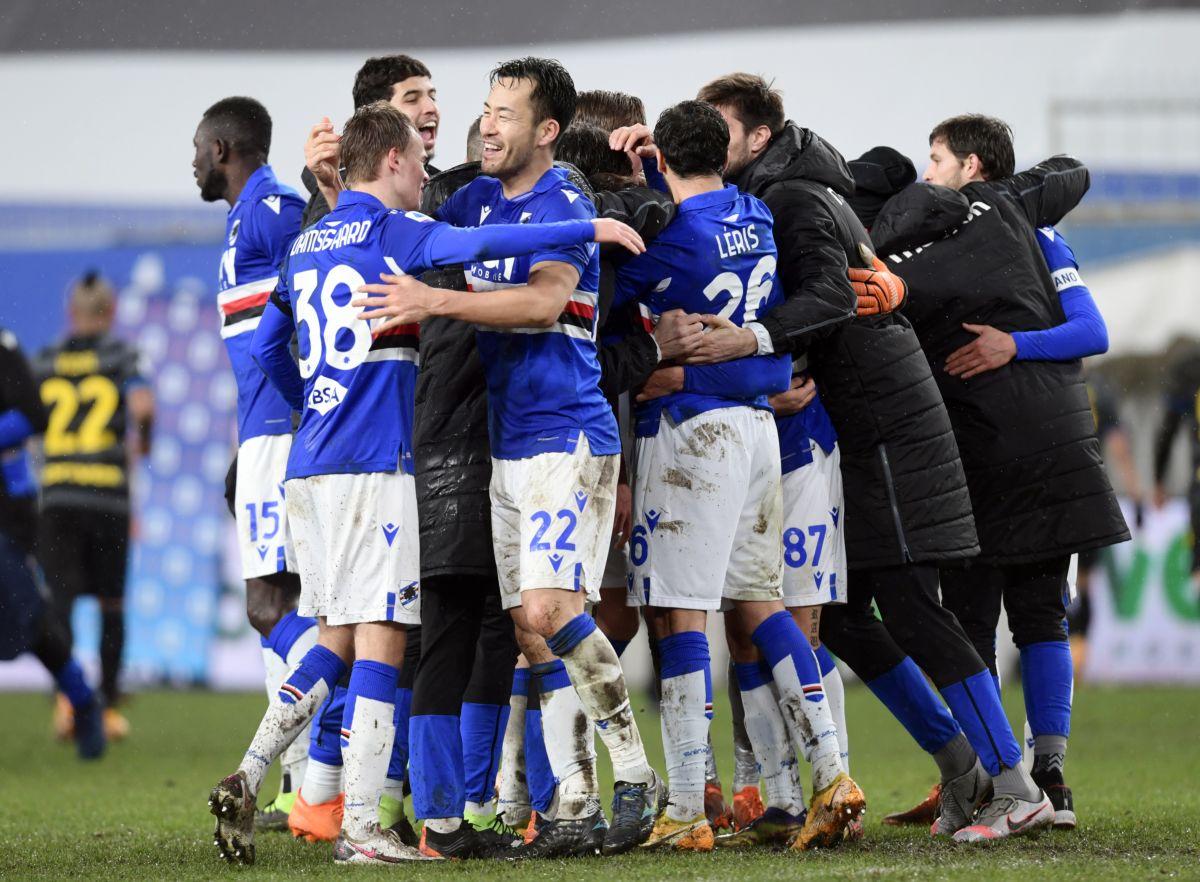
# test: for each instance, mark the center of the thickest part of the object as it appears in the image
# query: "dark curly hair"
(377, 77)
(693, 138)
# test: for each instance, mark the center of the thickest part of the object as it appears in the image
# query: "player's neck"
(685, 188)
(380, 189)
(236, 176)
(522, 181)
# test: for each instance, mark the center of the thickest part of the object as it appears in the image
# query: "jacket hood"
(918, 214)
(796, 153)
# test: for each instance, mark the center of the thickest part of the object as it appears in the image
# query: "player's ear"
(759, 139)
(548, 131)
(220, 151)
(660, 160)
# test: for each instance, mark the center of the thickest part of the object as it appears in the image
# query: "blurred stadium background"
(102, 100)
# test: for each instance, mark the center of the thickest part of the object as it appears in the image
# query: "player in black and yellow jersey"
(101, 410)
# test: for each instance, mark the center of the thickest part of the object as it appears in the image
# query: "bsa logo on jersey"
(233, 231)
(326, 394)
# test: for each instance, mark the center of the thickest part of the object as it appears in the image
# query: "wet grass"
(140, 813)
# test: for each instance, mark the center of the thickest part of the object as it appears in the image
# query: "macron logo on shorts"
(581, 499)
(835, 513)
(389, 533)
(652, 519)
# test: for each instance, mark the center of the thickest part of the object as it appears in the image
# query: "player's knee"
(266, 604)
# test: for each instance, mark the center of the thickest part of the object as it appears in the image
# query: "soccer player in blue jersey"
(707, 504)
(232, 144)
(554, 454)
(349, 474)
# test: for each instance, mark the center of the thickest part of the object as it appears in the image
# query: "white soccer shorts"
(259, 506)
(707, 512)
(552, 517)
(814, 543)
(357, 547)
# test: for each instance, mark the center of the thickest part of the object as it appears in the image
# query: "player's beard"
(213, 185)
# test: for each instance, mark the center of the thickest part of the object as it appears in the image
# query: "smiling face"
(416, 98)
(209, 175)
(509, 128)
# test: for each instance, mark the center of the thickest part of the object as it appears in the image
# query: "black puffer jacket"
(452, 454)
(1025, 430)
(905, 492)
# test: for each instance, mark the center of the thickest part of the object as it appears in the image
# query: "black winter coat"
(452, 453)
(905, 492)
(1026, 432)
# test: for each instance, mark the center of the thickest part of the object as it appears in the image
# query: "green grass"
(140, 813)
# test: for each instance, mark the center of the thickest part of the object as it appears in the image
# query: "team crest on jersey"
(233, 231)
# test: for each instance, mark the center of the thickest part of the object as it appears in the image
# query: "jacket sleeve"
(812, 269)
(626, 363)
(22, 413)
(1047, 191)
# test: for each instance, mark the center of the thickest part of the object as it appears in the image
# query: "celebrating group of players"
(667, 363)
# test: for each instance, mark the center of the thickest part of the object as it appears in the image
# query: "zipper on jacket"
(887, 477)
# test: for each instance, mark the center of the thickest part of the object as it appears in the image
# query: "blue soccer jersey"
(258, 232)
(800, 431)
(717, 257)
(354, 386)
(543, 383)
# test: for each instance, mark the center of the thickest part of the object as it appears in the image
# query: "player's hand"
(636, 138)
(678, 333)
(879, 290)
(795, 399)
(397, 300)
(990, 350)
(322, 155)
(663, 381)
(723, 341)
(613, 232)
(623, 516)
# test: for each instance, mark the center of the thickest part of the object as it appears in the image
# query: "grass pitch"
(1134, 764)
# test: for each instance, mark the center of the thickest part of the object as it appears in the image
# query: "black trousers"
(1033, 594)
(86, 552)
(467, 646)
(913, 623)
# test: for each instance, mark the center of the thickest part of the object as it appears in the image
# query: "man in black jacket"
(966, 247)
(907, 507)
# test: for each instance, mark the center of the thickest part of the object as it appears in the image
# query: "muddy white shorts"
(552, 517)
(707, 512)
(814, 543)
(357, 549)
(259, 506)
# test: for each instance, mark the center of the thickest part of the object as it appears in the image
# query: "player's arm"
(446, 245)
(1083, 333)
(1047, 191)
(743, 379)
(22, 414)
(271, 351)
(139, 398)
(537, 304)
